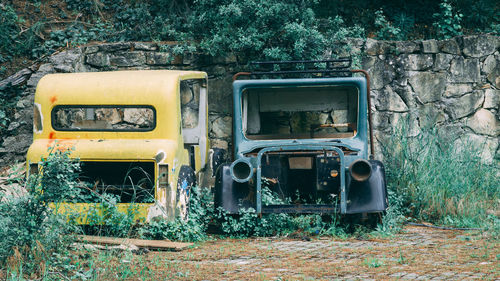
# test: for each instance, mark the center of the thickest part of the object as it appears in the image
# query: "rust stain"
(53, 99)
(52, 135)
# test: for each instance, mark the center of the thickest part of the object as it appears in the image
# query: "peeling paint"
(176, 162)
(160, 156)
(154, 212)
(37, 119)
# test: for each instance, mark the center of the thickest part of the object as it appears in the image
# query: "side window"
(193, 95)
(190, 103)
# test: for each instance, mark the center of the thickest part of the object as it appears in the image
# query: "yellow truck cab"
(139, 135)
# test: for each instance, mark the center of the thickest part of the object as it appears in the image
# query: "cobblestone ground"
(417, 254)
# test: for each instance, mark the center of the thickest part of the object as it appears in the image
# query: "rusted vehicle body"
(306, 139)
(139, 135)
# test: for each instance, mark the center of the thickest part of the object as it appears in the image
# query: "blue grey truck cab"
(305, 139)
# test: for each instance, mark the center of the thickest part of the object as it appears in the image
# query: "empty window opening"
(103, 118)
(300, 112)
(190, 102)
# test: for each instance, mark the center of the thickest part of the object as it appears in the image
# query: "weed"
(31, 234)
(373, 262)
(401, 258)
(437, 181)
(191, 229)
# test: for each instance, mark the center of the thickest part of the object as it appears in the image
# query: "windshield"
(300, 112)
(103, 118)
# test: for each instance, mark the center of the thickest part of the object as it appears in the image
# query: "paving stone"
(411, 276)
(398, 274)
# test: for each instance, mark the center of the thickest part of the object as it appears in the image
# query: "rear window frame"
(66, 106)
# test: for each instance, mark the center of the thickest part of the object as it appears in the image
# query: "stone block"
(449, 46)
(457, 90)
(339, 116)
(429, 115)
(65, 60)
(381, 73)
(43, 70)
(222, 127)
(159, 58)
(442, 61)
(375, 47)
(406, 47)
(464, 70)
(301, 122)
(142, 117)
(465, 105)
(489, 64)
(113, 47)
(484, 122)
(430, 46)
(189, 117)
(416, 61)
(492, 99)
(450, 132)
(126, 59)
(388, 100)
(91, 49)
(220, 95)
(111, 115)
(491, 67)
(486, 146)
(17, 144)
(479, 45)
(218, 143)
(145, 46)
(97, 59)
(428, 86)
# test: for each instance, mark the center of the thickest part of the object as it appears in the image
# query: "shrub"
(386, 30)
(447, 23)
(273, 30)
(31, 232)
(193, 228)
(9, 30)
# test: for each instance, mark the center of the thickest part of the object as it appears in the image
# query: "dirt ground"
(418, 253)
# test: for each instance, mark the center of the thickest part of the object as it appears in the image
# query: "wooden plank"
(141, 243)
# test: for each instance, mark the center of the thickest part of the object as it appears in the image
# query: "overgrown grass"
(441, 182)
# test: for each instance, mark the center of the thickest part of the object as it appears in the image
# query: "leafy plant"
(405, 23)
(31, 232)
(386, 30)
(9, 30)
(273, 30)
(193, 228)
(447, 23)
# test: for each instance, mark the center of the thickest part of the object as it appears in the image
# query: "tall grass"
(441, 182)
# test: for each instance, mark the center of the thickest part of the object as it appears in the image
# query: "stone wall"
(452, 85)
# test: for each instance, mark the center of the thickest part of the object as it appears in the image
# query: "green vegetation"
(428, 180)
(433, 180)
(273, 30)
(447, 23)
(31, 234)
